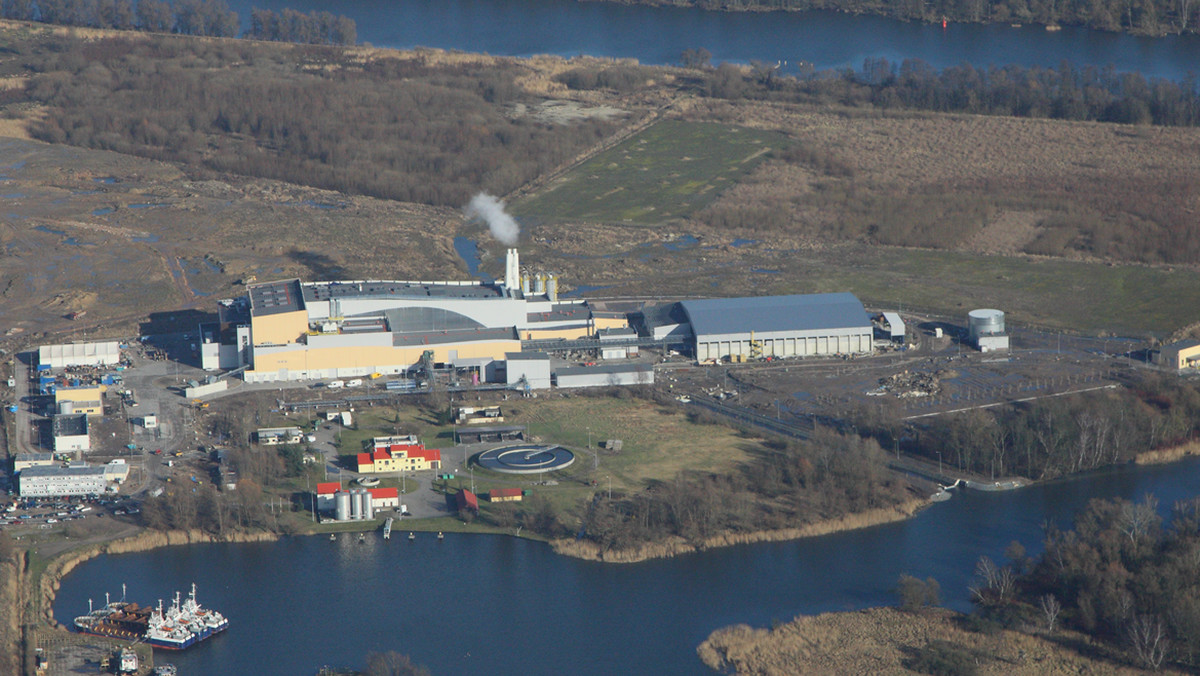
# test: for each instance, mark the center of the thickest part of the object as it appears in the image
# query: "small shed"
(467, 500)
(505, 495)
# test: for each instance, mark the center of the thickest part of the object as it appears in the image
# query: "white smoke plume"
(491, 210)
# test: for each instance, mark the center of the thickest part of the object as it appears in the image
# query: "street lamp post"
(609, 487)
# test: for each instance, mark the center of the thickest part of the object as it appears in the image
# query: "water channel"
(658, 35)
(503, 605)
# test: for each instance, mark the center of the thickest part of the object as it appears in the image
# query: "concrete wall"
(295, 362)
(71, 443)
(279, 329)
(535, 371)
(608, 323)
(551, 333)
(206, 390)
(624, 378)
(799, 344)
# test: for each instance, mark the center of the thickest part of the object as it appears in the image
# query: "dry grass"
(658, 442)
(879, 640)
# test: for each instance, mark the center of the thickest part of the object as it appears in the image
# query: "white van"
(357, 382)
(336, 384)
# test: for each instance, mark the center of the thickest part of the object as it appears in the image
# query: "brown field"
(882, 640)
(939, 212)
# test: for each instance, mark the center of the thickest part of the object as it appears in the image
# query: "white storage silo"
(341, 510)
(368, 505)
(355, 505)
(985, 322)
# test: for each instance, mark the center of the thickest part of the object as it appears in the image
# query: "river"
(506, 606)
(658, 35)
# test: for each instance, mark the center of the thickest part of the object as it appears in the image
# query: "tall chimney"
(512, 272)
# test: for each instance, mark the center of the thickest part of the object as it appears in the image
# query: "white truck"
(336, 384)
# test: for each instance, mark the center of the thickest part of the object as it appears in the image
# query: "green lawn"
(1076, 296)
(667, 171)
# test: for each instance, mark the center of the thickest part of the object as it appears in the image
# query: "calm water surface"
(657, 35)
(508, 606)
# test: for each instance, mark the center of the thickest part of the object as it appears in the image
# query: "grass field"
(666, 172)
(658, 443)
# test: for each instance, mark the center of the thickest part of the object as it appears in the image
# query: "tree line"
(315, 28)
(1147, 17)
(1122, 575)
(395, 128)
(1067, 92)
(1064, 435)
(185, 17)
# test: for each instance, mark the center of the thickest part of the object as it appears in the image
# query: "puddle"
(743, 242)
(212, 267)
(44, 228)
(681, 243)
(580, 290)
(468, 250)
(107, 180)
(71, 241)
(315, 204)
(103, 211)
(277, 271)
(766, 271)
(86, 192)
(13, 196)
(148, 205)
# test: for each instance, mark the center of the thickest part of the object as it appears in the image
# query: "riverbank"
(676, 546)
(58, 568)
(888, 641)
(1169, 454)
(847, 7)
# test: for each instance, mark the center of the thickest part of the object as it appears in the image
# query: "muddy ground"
(121, 237)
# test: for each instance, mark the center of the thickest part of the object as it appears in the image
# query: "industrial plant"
(500, 332)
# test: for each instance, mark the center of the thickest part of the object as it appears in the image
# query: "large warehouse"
(778, 326)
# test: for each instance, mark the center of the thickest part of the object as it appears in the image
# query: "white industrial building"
(71, 433)
(293, 330)
(604, 375)
(80, 354)
(76, 479)
(532, 368)
(779, 326)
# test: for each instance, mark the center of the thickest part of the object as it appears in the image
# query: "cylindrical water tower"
(985, 322)
(341, 501)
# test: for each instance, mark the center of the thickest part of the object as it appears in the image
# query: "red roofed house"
(383, 498)
(467, 500)
(505, 495)
(398, 458)
(325, 492)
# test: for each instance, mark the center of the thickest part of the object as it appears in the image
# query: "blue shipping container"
(43, 367)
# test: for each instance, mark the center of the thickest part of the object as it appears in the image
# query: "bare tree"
(1051, 607)
(1138, 519)
(996, 582)
(1149, 639)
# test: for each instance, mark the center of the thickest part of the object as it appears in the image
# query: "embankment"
(675, 545)
(1169, 454)
(887, 640)
(141, 542)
